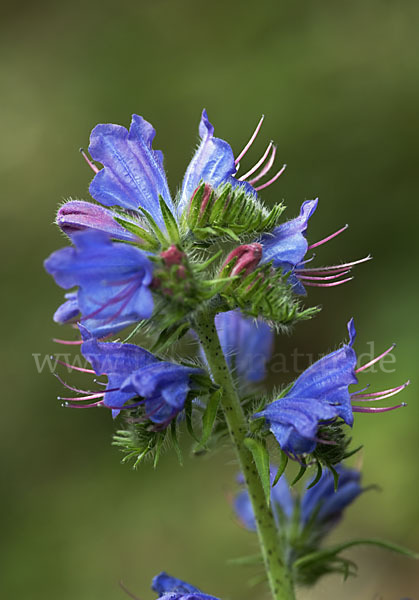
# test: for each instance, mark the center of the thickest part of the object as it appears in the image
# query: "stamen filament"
(258, 164)
(266, 168)
(335, 276)
(89, 162)
(73, 367)
(67, 342)
(379, 395)
(331, 284)
(329, 237)
(250, 142)
(342, 266)
(376, 359)
(271, 181)
(364, 409)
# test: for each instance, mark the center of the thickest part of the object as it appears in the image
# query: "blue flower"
(133, 175)
(113, 280)
(281, 498)
(320, 507)
(321, 394)
(134, 373)
(171, 588)
(246, 343)
(287, 246)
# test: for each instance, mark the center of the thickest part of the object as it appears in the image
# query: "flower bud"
(77, 215)
(246, 258)
(172, 256)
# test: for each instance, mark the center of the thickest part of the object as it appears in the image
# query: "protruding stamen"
(376, 359)
(69, 387)
(74, 368)
(89, 162)
(271, 181)
(373, 396)
(323, 278)
(93, 405)
(266, 168)
(329, 237)
(250, 142)
(331, 284)
(90, 397)
(336, 267)
(67, 342)
(364, 409)
(259, 163)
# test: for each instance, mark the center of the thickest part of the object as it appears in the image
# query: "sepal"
(230, 212)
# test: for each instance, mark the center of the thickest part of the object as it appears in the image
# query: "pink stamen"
(329, 237)
(376, 359)
(372, 397)
(363, 409)
(95, 404)
(338, 267)
(266, 168)
(89, 162)
(250, 142)
(69, 387)
(67, 342)
(331, 284)
(72, 366)
(335, 276)
(258, 164)
(271, 181)
(90, 397)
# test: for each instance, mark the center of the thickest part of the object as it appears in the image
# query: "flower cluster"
(215, 264)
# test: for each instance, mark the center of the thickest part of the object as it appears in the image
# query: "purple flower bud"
(248, 257)
(172, 256)
(78, 215)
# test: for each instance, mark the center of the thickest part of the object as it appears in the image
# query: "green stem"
(280, 579)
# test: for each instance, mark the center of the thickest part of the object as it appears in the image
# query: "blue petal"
(287, 244)
(117, 361)
(164, 385)
(163, 583)
(352, 332)
(246, 343)
(280, 496)
(68, 310)
(331, 503)
(298, 415)
(113, 281)
(133, 173)
(328, 379)
(213, 163)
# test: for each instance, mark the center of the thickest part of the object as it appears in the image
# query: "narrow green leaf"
(154, 227)
(300, 473)
(150, 239)
(169, 336)
(208, 418)
(241, 561)
(261, 458)
(317, 477)
(175, 442)
(159, 446)
(330, 552)
(169, 221)
(335, 476)
(281, 468)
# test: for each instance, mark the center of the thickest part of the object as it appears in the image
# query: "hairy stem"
(279, 576)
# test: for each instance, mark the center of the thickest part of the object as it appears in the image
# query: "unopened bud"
(78, 215)
(172, 256)
(246, 258)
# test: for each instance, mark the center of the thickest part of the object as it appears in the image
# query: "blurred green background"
(338, 83)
